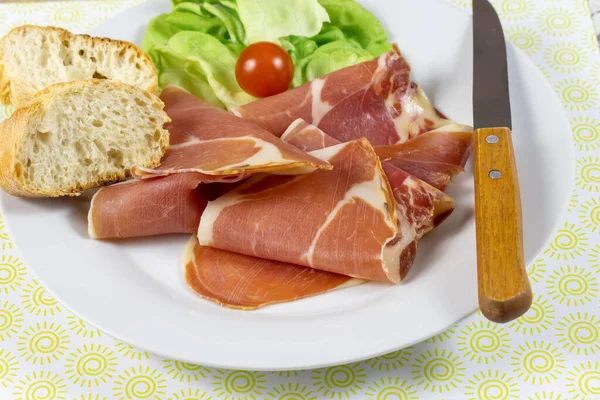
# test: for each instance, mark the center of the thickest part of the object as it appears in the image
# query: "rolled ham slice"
(246, 283)
(375, 99)
(434, 157)
(218, 145)
(172, 204)
(342, 221)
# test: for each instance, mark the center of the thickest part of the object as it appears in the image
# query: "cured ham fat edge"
(218, 145)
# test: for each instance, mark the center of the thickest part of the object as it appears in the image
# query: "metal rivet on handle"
(492, 139)
(495, 174)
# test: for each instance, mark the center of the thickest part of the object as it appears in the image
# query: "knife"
(503, 286)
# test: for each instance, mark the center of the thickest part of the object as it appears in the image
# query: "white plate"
(134, 289)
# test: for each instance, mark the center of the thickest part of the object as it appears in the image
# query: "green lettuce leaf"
(358, 24)
(269, 20)
(206, 16)
(328, 58)
(203, 65)
(353, 36)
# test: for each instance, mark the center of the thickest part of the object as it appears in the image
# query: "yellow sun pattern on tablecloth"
(238, 385)
(589, 215)
(491, 385)
(391, 361)
(557, 21)
(9, 366)
(586, 132)
(537, 269)
(582, 7)
(392, 388)
(595, 73)
(539, 318)
(90, 396)
(142, 382)
(82, 328)
(70, 15)
(545, 395)
(569, 242)
(5, 242)
(577, 94)
(573, 201)
(514, 10)
(19, 10)
(91, 365)
(525, 38)
(545, 71)
(583, 381)
(587, 38)
(11, 320)
(131, 352)
(438, 370)
(572, 286)
(109, 5)
(343, 381)
(566, 57)
(40, 385)
(291, 391)
(579, 333)
(12, 273)
(43, 343)
(537, 362)
(190, 394)
(287, 374)
(587, 173)
(38, 301)
(185, 372)
(441, 337)
(483, 342)
(594, 258)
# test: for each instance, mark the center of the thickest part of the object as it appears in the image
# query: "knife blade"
(503, 286)
(491, 100)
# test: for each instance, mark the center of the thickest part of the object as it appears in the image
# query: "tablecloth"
(553, 352)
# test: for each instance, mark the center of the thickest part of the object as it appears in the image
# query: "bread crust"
(20, 93)
(14, 128)
(11, 131)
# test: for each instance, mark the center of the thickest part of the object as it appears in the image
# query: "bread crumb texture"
(81, 135)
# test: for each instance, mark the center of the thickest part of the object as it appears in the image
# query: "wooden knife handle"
(504, 289)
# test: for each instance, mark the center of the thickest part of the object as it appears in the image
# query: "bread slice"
(35, 57)
(80, 135)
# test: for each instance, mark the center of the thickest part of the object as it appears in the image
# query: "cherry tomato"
(264, 69)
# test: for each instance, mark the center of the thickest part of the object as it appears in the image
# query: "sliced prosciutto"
(219, 145)
(434, 157)
(342, 221)
(421, 207)
(375, 99)
(307, 137)
(172, 204)
(244, 282)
